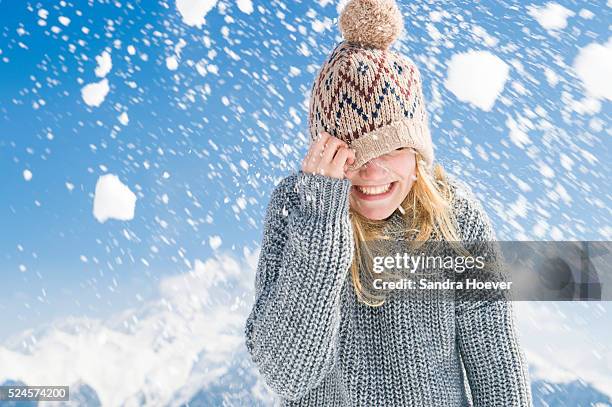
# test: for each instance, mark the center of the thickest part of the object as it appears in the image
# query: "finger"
(333, 144)
(314, 152)
(320, 134)
(318, 144)
(312, 163)
(314, 157)
(341, 156)
(352, 157)
(316, 148)
(305, 163)
(307, 157)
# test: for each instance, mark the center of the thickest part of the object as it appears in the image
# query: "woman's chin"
(375, 213)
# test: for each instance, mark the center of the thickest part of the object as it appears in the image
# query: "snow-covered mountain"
(574, 394)
(163, 353)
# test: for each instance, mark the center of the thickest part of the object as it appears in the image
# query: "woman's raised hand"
(328, 155)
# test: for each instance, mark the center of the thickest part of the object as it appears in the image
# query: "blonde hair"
(426, 208)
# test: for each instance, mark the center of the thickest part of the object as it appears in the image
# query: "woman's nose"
(374, 166)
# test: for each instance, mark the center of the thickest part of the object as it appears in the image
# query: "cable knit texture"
(316, 345)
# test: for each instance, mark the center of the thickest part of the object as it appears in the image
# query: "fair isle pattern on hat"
(368, 95)
(371, 99)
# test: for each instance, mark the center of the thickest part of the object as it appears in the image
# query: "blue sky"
(206, 142)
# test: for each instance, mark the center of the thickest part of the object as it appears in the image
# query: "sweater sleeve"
(292, 330)
(487, 335)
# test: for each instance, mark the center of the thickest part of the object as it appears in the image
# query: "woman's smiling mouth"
(374, 192)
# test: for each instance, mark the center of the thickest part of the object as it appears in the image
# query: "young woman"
(318, 335)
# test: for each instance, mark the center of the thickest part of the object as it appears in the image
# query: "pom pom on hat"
(371, 23)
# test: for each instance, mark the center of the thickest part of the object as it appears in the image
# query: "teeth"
(374, 190)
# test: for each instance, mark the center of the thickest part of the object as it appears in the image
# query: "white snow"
(551, 77)
(563, 194)
(27, 175)
(586, 14)
(131, 50)
(42, 13)
(566, 161)
(477, 77)
(94, 93)
(105, 64)
(65, 21)
(596, 124)
(519, 207)
(433, 32)
(214, 242)
(320, 26)
(212, 68)
(436, 16)
(193, 12)
(546, 171)
(178, 47)
(488, 39)
(172, 63)
(586, 106)
(294, 71)
(593, 65)
(552, 16)
(246, 6)
(517, 133)
(340, 6)
(124, 118)
(113, 199)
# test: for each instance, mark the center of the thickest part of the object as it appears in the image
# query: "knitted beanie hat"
(367, 95)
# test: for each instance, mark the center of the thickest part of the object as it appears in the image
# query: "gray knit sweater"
(316, 345)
